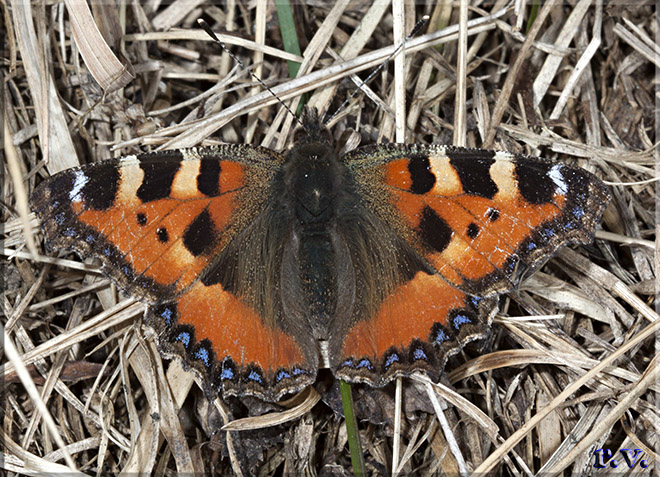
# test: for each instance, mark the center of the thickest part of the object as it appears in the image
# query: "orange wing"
(475, 220)
(166, 228)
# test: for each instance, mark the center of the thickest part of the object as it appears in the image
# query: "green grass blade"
(533, 13)
(357, 457)
(289, 33)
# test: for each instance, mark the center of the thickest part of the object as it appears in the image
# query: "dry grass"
(569, 366)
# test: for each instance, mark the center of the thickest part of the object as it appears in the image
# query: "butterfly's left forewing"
(154, 218)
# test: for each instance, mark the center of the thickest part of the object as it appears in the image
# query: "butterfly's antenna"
(205, 26)
(414, 31)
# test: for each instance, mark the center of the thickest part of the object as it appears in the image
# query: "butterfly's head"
(312, 130)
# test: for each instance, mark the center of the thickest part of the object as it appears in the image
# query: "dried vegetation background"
(569, 366)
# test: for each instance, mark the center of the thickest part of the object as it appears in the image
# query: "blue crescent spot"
(107, 251)
(460, 320)
(298, 371)
(531, 246)
(418, 353)
(184, 337)
(90, 239)
(60, 218)
(69, 232)
(127, 271)
(348, 363)
(364, 363)
(226, 374)
(391, 359)
(166, 314)
(578, 212)
(203, 354)
(476, 300)
(548, 233)
(441, 337)
(282, 375)
(254, 376)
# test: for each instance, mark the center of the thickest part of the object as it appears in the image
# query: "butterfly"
(259, 267)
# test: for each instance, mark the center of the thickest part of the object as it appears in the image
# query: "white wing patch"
(80, 181)
(558, 178)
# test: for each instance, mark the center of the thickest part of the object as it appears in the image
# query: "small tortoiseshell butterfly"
(391, 256)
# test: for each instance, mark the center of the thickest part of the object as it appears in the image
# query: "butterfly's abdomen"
(317, 270)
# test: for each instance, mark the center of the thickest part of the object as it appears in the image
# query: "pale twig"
(13, 356)
(460, 114)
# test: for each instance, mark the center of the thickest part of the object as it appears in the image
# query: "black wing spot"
(200, 234)
(423, 180)
(208, 179)
(474, 173)
(534, 181)
(162, 234)
(158, 178)
(435, 230)
(141, 218)
(493, 214)
(473, 231)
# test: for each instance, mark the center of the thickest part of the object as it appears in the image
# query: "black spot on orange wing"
(161, 233)
(141, 218)
(473, 169)
(200, 234)
(493, 214)
(534, 182)
(434, 230)
(473, 231)
(208, 179)
(422, 178)
(158, 178)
